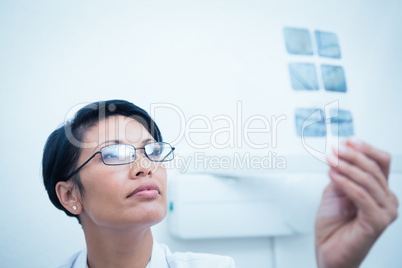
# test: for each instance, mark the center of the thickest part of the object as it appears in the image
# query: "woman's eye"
(156, 151)
(109, 155)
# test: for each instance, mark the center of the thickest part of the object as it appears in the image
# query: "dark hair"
(62, 148)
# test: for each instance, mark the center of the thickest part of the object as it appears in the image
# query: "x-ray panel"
(333, 78)
(310, 122)
(341, 123)
(303, 76)
(328, 44)
(298, 41)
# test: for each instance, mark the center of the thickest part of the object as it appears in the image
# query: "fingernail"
(332, 160)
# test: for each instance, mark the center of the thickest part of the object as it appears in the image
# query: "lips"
(146, 191)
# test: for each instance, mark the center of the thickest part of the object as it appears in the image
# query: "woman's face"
(108, 200)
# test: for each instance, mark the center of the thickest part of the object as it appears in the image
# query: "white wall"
(201, 56)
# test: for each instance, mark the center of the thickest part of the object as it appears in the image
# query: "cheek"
(103, 198)
(104, 187)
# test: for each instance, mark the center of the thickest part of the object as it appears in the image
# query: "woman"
(105, 168)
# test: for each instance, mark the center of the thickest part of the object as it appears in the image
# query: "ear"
(69, 197)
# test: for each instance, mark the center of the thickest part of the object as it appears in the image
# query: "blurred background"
(191, 64)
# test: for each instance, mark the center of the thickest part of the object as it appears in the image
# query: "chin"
(153, 214)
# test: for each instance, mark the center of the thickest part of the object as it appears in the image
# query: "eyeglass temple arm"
(168, 154)
(78, 169)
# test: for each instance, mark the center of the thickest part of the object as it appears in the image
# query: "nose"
(141, 167)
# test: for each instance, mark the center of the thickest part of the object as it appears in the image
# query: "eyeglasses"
(122, 154)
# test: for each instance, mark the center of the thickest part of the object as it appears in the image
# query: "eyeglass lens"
(119, 154)
(158, 151)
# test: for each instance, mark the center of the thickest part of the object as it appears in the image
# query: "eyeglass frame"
(135, 156)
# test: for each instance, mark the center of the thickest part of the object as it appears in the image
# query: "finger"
(335, 203)
(363, 162)
(358, 195)
(374, 219)
(362, 178)
(382, 158)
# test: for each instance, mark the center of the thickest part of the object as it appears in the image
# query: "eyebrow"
(147, 140)
(119, 141)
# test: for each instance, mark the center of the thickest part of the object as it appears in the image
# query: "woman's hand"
(356, 206)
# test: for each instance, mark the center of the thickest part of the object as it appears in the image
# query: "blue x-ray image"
(310, 122)
(341, 123)
(303, 76)
(298, 41)
(328, 45)
(333, 78)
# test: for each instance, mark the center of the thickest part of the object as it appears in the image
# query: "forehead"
(117, 128)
